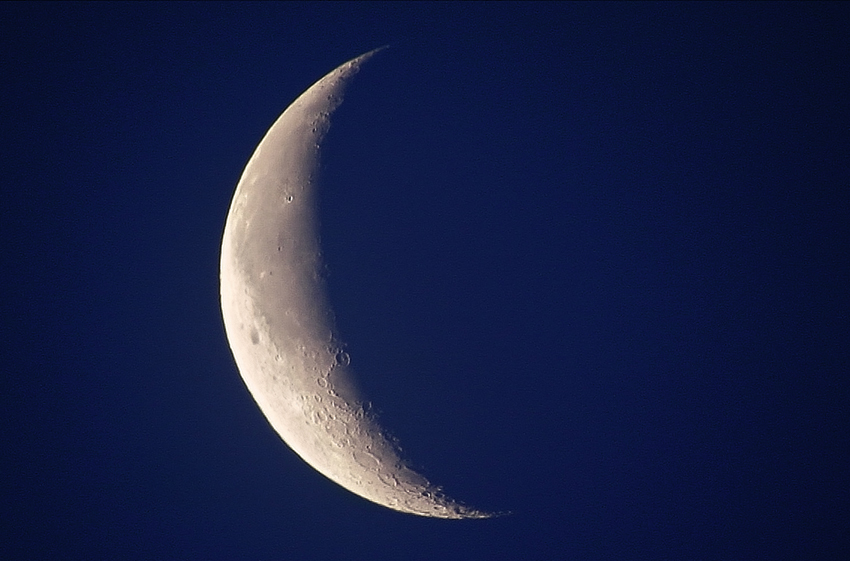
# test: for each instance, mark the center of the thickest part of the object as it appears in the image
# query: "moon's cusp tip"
(375, 51)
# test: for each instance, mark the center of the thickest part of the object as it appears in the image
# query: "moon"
(280, 324)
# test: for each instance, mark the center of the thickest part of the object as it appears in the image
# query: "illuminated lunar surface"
(280, 325)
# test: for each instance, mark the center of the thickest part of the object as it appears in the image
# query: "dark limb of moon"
(280, 325)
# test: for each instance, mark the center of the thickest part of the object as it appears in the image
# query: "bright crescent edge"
(280, 325)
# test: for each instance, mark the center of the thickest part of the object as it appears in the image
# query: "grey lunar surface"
(280, 325)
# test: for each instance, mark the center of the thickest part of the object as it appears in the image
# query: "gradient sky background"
(590, 261)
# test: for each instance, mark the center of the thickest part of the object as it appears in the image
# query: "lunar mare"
(280, 325)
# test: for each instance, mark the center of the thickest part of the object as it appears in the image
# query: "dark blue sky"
(590, 261)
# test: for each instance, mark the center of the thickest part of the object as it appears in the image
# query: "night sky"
(589, 260)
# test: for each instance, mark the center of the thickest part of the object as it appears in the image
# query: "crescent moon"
(279, 322)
